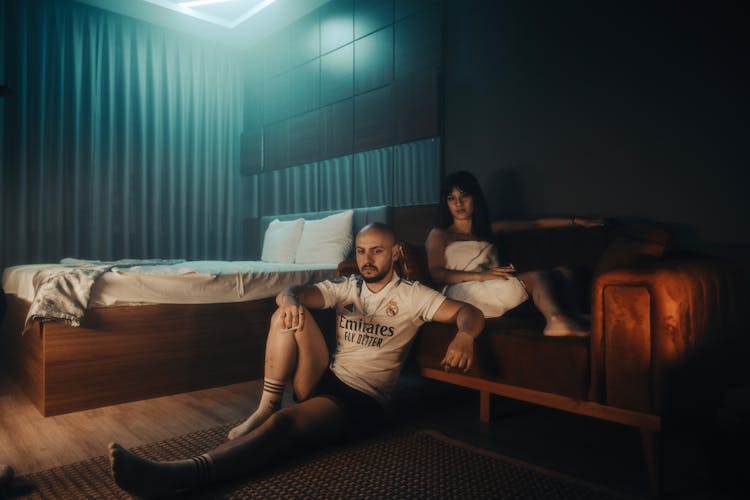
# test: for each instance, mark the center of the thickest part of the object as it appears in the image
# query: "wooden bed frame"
(122, 354)
(128, 353)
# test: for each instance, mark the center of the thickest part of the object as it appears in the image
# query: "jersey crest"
(392, 308)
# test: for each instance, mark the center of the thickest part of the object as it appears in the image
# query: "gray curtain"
(122, 139)
(404, 174)
(416, 177)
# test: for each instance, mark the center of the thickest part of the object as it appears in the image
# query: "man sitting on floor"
(377, 317)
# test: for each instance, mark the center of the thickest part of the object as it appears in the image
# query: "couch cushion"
(512, 350)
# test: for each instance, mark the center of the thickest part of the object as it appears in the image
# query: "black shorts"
(358, 407)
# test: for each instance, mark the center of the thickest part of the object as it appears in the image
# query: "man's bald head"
(376, 251)
(380, 229)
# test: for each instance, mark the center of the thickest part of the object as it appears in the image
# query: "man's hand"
(293, 313)
(460, 352)
(294, 302)
(470, 322)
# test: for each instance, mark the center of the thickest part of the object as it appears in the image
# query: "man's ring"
(301, 313)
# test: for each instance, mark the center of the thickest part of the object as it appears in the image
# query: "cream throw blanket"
(63, 294)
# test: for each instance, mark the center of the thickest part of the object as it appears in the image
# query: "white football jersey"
(375, 330)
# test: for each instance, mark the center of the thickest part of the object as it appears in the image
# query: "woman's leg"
(300, 356)
(314, 422)
(540, 287)
(568, 287)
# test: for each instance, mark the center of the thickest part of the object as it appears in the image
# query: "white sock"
(270, 401)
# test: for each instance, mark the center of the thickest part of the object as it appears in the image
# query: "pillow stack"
(281, 240)
(300, 241)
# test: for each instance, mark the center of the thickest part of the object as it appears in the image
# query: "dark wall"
(353, 75)
(603, 108)
(342, 110)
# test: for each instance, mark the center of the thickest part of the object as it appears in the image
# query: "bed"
(157, 329)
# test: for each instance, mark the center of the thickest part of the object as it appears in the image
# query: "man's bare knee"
(277, 319)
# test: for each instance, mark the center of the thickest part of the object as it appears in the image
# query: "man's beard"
(377, 277)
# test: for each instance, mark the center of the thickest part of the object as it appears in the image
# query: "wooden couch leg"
(652, 457)
(484, 406)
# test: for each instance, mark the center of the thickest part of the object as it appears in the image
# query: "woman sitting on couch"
(461, 256)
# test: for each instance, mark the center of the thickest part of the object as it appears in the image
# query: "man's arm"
(293, 301)
(470, 322)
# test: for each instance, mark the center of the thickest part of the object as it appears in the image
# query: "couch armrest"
(645, 321)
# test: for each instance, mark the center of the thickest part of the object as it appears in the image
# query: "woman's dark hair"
(468, 184)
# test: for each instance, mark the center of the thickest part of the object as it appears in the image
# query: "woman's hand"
(497, 273)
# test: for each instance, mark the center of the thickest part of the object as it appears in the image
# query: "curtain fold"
(336, 183)
(290, 190)
(416, 177)
(122, 140)
(373, 177)
(400, 175)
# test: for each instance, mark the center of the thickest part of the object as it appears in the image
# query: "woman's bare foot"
(559, 325)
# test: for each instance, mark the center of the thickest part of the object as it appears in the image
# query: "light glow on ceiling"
(226, 13)
(198, 3)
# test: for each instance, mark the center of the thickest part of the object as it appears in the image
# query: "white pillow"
(281, 240)
(327, 240)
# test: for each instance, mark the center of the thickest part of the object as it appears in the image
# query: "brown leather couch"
(651, 309)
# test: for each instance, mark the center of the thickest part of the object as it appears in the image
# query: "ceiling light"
(198, 3)
(201, 9)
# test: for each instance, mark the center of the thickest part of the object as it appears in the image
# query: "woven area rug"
(404, 463)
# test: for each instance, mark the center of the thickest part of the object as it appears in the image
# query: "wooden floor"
(30, 442)
(592, 450)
